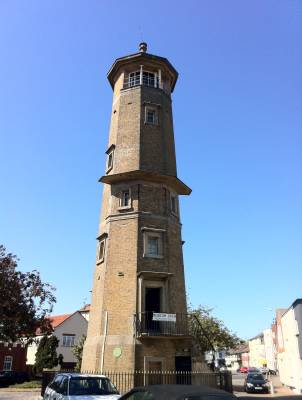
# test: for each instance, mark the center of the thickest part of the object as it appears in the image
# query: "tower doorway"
(152, 305)
(152, 300)
(183, 364)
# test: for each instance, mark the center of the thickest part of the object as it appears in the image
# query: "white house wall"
(289, 362)
(74, 325)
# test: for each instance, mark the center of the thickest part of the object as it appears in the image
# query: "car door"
(62, 389)
(52, 392)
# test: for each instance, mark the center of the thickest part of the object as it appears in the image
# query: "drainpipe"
(104, 341)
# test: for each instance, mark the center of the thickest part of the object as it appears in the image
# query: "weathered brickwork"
(125, 270)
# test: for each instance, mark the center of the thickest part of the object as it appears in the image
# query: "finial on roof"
(143, 47)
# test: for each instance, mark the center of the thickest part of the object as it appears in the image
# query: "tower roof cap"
(142, 57)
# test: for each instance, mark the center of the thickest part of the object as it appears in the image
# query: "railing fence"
(125, 381)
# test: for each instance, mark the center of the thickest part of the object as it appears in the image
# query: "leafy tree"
(46, 355)
(77, 351)
(209, 332)
(24, 300)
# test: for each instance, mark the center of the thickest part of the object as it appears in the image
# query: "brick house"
(12, 357)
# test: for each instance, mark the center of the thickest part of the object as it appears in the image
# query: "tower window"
(151, 115)
(101, 248)
(110, 161)
(174, 204)
(134, 78)
(110, 158)
(125, 199)
(148, 78)
(153, 244)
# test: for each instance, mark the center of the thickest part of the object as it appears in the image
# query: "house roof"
(241, 348)
(56, 320)
(85, 308)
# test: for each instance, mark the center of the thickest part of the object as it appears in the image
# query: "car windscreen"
(91, 386)
(256, 377)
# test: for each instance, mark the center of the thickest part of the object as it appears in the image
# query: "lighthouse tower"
(138, 312)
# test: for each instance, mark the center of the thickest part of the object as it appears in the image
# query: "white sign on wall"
(164, 317)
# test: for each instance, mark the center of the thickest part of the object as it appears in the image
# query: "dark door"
(152, 304)
(183, 364)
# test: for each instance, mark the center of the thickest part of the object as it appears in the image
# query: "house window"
(151, 116)
(125, 200)
(174, 204)
(8, 363)
(153, 244)
(68, 340)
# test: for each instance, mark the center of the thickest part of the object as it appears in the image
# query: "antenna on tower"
(140, 33)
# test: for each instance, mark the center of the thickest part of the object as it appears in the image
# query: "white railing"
(130, 82)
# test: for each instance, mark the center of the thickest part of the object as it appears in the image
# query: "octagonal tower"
(138, 311)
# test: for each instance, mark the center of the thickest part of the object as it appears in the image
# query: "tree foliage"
(209, 332)
(24, 300)
(46, 355)
(77, 351)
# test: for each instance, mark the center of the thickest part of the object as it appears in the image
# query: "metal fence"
(125, 381)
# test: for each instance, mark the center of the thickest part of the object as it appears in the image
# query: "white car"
(72, 386)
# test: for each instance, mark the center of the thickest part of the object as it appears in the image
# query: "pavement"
(6, 394)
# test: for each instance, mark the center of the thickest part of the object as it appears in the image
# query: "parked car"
(11, 377)
(243, 370)
(177, 392)
(255, 382)
(80, 387)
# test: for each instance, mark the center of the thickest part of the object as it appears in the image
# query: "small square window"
(68, 340)
(153, 244)
(151, 116)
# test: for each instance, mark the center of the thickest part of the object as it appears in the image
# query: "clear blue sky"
(238, 124)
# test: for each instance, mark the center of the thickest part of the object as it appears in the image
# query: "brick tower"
(138, 310)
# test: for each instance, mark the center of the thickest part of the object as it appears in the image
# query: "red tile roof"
(56, 320)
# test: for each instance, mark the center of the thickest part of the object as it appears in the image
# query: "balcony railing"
(161, 324)
(136, 81)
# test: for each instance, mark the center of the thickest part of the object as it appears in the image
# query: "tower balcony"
(143, 78)
(150, 324)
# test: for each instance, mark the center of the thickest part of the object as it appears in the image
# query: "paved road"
(20, 395)
(280, 392)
